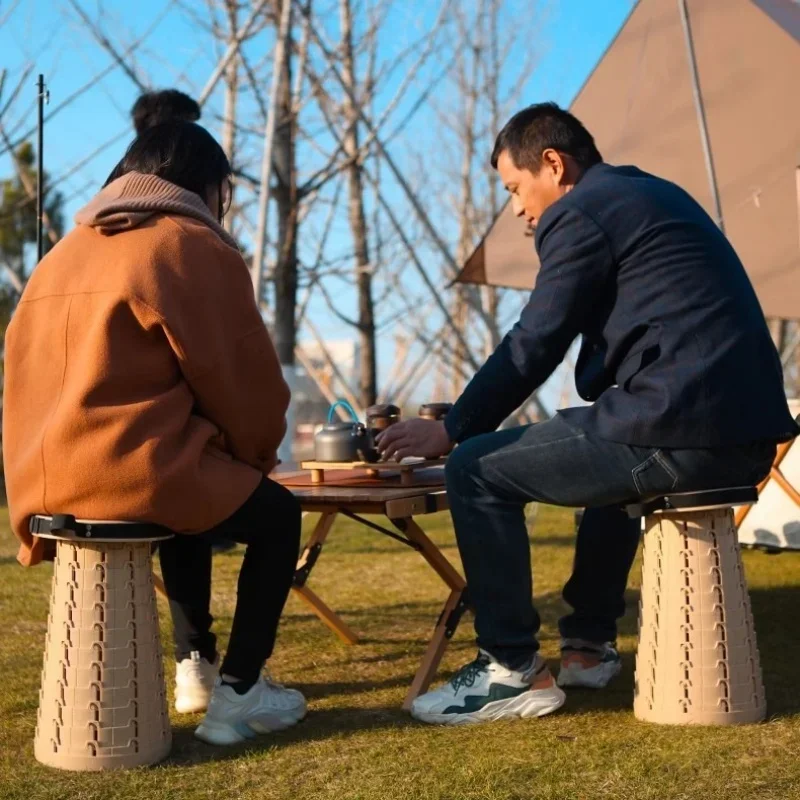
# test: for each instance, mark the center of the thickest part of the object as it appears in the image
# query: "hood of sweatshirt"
(132, 199)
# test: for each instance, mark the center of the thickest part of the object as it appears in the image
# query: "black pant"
(269, 524)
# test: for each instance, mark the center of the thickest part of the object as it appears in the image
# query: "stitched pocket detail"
(667, 468)
(654, 461)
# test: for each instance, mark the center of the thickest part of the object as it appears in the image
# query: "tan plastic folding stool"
(697, 662)
(102, 703)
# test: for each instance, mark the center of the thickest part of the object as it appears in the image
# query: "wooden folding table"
(353, 495)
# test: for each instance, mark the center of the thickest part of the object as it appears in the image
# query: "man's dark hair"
(541, 126)
(182, 153)
(156, 108)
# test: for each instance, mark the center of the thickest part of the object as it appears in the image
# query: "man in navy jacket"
(687, 394)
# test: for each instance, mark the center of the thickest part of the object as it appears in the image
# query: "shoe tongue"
(195, 656)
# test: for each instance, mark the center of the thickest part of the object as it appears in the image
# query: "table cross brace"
(381, 529)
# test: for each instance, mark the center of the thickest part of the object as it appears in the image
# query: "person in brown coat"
(150, 109)
(141, 384)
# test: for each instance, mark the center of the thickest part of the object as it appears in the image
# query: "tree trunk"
(490, 297)
(468, 87)
(368, 389)
(286, 201)
(231, 95)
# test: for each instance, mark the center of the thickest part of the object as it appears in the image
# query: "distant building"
(310, 403)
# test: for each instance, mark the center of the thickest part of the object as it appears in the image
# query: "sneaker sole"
(191, 705)
(598, 677)
(225, 733)
(524, 706)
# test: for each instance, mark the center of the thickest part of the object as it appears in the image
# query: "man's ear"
(553, 162)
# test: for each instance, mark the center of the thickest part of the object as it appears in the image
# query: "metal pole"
(701, 113)
(41, 92)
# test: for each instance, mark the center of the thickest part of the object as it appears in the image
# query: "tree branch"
(106, 44)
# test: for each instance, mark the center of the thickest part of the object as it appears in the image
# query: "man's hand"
(414, 437)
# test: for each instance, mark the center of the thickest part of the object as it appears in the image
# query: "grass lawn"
(357, 743)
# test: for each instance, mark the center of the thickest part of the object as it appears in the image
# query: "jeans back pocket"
(654, 475)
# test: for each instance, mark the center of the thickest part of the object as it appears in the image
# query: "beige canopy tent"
(705, 93)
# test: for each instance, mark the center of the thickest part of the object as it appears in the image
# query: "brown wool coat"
(141, 383)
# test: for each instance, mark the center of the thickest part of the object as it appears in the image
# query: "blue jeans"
(491, 477)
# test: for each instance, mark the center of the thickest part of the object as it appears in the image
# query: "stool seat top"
(67, 528)
(693, 501)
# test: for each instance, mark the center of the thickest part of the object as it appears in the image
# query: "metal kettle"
(344, 441)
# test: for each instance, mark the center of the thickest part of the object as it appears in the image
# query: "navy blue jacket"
(675, 348)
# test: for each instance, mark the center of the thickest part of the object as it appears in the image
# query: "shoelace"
(469, 673)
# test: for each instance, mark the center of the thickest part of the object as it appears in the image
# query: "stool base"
(697, 661)
(102, 703)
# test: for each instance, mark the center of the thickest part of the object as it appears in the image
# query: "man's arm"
(576, 263)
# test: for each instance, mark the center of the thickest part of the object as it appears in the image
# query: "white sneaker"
(194, 680)
(588, 665)
(485, 691)
(232, 717)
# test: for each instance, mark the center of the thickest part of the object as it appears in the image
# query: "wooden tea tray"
(373, 470)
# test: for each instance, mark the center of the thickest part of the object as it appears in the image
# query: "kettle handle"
(346, 405)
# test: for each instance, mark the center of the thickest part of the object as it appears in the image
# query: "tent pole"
(701, 114)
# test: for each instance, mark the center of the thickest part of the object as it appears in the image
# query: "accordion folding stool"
(697, 660)
(102, 703)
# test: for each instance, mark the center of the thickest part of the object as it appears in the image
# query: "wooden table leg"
(318, 537)
(434, 652)
(305, 564)
(329, 617)
(431, 553)
(447, 622)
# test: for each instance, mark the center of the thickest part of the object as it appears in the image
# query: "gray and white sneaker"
(486, 691)
(194, 680)
(588, 665)
(233, 718)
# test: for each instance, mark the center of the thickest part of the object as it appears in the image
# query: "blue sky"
(46, 32)
(568, 36)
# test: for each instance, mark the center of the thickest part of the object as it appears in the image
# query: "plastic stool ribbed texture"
(697, 661)
(102, 703)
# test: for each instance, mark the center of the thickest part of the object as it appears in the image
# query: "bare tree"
(334, 118)
(357, 216)
(489, 294)
(286, 200)
(231, 79)
(484, 87)
(468, 75)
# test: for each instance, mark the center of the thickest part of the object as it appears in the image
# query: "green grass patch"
(357, 743)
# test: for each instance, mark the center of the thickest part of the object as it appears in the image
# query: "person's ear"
(553, 162)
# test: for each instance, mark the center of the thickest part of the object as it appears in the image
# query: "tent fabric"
(638, 104)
